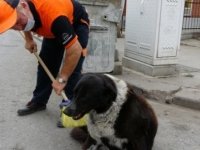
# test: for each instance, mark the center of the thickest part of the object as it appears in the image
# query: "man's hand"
(30, 43)
(31, 46)
(58, 87)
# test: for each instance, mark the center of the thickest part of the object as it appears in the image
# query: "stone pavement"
(178, 128)
(183, 88)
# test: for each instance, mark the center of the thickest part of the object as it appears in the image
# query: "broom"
(66, 120)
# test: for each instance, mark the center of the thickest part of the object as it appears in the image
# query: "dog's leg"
(102, 147)
(140, 144)
(98, 147)
(79, 134)
(88, 143)
(92, 147)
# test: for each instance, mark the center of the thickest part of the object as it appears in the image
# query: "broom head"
(69, 122)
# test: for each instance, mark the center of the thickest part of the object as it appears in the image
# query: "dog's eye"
(79, 94)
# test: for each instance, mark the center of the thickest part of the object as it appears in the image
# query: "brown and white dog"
(118, 119)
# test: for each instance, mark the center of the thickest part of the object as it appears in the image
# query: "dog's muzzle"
(72, 112)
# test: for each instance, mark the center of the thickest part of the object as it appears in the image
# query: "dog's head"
(92, 92)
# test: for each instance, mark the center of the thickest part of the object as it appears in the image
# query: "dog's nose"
(70, 110)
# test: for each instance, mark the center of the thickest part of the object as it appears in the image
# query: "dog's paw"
(93, 147)
(102, 147)
(98, 147)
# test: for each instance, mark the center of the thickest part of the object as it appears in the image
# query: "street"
(179, 128)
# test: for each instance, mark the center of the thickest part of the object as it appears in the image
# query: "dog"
(118, 118)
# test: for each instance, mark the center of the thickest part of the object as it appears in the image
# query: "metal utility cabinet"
(153, 30)
(104, 16)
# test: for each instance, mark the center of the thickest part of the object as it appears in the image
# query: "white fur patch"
(101, 125)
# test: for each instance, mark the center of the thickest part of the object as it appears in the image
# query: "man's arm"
(71, 58)
(64, 31)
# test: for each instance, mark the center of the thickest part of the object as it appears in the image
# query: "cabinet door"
(142, 26)
(170, 28)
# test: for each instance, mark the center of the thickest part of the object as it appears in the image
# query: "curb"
(163, 91)
(185, 102)
(159, 91)
(188, 97)
(170, 97)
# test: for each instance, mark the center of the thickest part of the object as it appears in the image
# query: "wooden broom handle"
(47, 70)
(48, 73)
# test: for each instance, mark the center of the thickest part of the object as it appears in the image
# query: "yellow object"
(69, 122)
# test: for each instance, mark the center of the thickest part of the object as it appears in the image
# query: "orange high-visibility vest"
(49, 10)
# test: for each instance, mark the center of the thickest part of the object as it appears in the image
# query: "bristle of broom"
(69, 122)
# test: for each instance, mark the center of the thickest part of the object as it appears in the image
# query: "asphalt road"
(179, 128)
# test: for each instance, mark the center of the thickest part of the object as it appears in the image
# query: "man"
(64, 24)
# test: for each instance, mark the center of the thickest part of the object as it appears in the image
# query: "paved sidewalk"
(178, 128)
(183, 88)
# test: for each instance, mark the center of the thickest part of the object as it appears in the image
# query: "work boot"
(31, 108)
